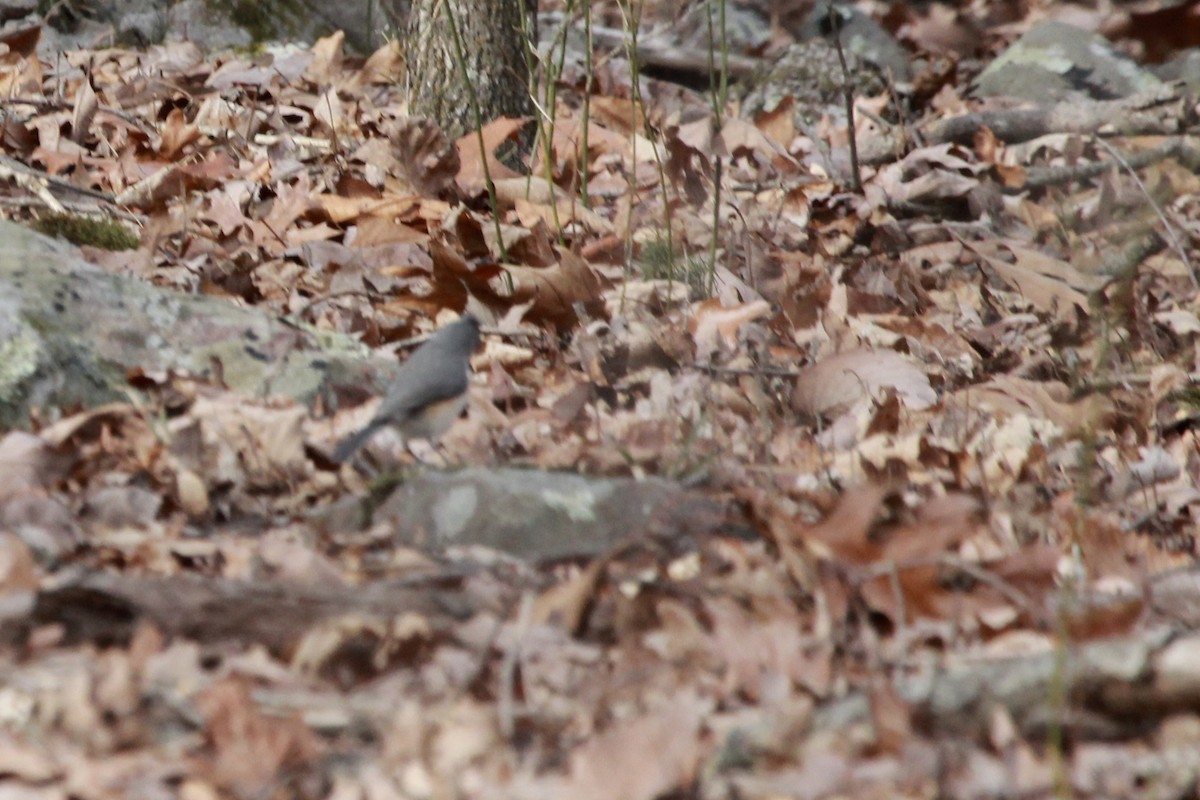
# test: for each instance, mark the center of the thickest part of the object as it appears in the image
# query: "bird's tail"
(349, 446)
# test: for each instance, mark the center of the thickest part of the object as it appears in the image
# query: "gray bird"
(429, 392)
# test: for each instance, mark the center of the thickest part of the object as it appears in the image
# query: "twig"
(835, 23)
(1010, 592)
(1123, 264)
(10, 167)
(752, 371)
(48, 104)
(1174, 146)
(508, 667)
(1049, 176)
(1129, 116)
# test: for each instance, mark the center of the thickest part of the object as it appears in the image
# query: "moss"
(661, 261)
(66, 15)
(264, 22)
(1188, 397)
(19, 358)
(78, 230)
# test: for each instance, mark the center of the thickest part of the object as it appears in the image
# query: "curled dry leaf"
(191, 493)
(88, 423)
(339, 209)
(714, 326)
(843, 535)
(1049, 284)
(176, 135)
(539, 200)
(427, 160)
(268, 442)
(472, 178)
(86, 104)
(153, 192)
(842, 381)
(567, 604)
(1008, 396)
(327, 56)
(927, 174)
(555, 291)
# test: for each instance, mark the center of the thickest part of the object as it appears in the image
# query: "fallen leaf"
(839, 382)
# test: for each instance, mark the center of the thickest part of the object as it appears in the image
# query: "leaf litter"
(952, 431)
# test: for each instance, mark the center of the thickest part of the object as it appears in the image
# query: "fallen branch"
(106, 608)
(1158, 112)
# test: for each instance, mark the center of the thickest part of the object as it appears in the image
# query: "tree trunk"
(493, 52)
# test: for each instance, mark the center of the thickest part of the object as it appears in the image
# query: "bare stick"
(847, 93)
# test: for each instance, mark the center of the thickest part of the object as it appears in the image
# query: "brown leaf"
(1007, 396)
(568, 604)
(715, 326)
(1049, 284)
(326, 64)
(385, 65)
(554, 291)
(779, 124)
(176, 180)
(618, 762)
(686, 167)
(23, 40)
(839, 382)
(471, 174)
(552, 206)
(18, 573)
(86, 104)
(425, 158)
(618, 114)
(176, 135)
(891, 718)
(844, 534)
(248, 748)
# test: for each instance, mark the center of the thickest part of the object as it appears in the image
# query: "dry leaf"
(839, 382)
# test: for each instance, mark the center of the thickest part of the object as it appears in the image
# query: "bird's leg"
(428, 448)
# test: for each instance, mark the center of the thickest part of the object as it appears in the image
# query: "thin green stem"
(586, 114)
(631, 18)
(632, 22)
(711, 286)
(550, 113)
(719, 87)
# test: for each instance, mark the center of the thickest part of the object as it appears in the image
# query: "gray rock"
(747, 29)
(810, 74)
(539, 515)
(215, 24)
(1055, 62)
(1185, 67)
(69, 333)
(861, 36)
(16, 9)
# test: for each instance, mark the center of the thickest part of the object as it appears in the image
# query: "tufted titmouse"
(429, 392)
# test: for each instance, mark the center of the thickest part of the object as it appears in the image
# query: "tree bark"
(496, 75)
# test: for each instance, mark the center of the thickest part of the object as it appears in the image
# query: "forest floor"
(949, 419)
